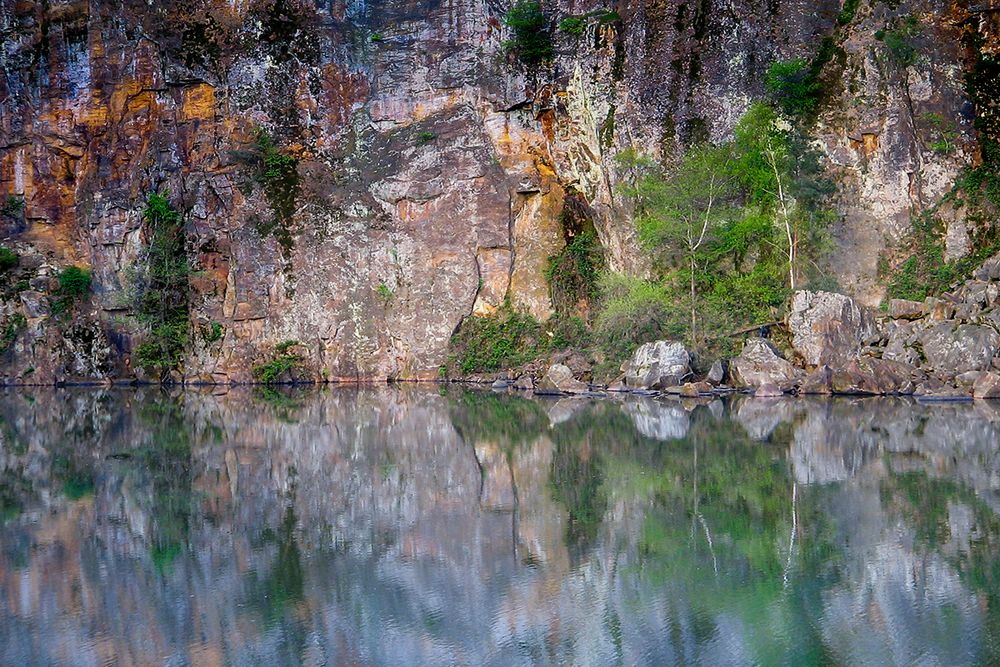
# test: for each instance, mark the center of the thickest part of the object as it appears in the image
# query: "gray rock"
(759, 363)
(967, 347)
(559, 380)
(524, 383)
(987, 386)
(717, 373)
(820, 381)
(768, 391)
(828, 328)
(657, 365)
(902, 309)
(874, 377)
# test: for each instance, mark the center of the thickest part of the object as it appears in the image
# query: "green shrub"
(901, 40)
(505, 339)
(793, 85)
(12, 207)
(532, 41)
(633, 312)
(425, 137)
(213, 333)
(925, 272)
(8, 259)
(163, 299)
(14, 326)
(74, 282)
(384, 293)
(573, 25)
(284, 362)
(573, 273)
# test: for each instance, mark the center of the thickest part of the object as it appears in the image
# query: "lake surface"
(418, 526)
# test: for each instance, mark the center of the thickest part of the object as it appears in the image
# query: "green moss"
(279, 368)
(900, 40)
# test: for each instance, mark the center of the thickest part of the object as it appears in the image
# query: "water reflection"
(413, 526)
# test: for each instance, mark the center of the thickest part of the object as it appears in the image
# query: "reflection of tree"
(924, 503)
(509, 421)
(282, 585)
(577, 478)
(719, 532)
(165, 462)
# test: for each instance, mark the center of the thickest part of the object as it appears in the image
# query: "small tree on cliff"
(532, 40)
(163, 302)
(678, 213)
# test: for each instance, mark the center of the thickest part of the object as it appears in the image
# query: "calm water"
(422, 527)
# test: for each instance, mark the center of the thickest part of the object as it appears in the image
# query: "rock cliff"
(360, 177)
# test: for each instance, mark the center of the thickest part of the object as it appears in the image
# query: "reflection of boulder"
(661, 421)
(761, 416)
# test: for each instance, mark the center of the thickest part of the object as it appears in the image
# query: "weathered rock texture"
(431, 167)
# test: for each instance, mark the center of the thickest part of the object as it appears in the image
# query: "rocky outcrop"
(657, 365)
(760, 364)
(828, 328)
(429, 168)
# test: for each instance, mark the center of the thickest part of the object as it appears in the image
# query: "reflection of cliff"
(389, 526)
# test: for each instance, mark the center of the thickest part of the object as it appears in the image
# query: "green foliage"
(572, 274)
(12, 207)
(794, 86)
(573, 25)
(74, 282)
(213, 333)
(425, 137)
(943, 133)
(505, 339)
(14, 326)
(163, 299)
(276, 172)
(925, 272)
(847, 12)
(281, 366)
(375, 37)
(633, 312)
(901, 40)
(8, 259)
(384, 293)
(532, 41)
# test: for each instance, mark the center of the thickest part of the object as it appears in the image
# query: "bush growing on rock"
(532, 41)
(8, 259)
(74, 282)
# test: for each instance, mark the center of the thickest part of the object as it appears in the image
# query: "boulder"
(820, 381)
(657, 365)
(716, 374)
(987, 386)
(559, 380)
(990, 270)
(828, 328)
(768, 391)
(760, 363)
(902, 309)
(695, 389)
(868, 375)
(524, 383)
(958, 349)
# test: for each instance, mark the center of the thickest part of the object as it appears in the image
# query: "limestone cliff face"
(431, 166)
